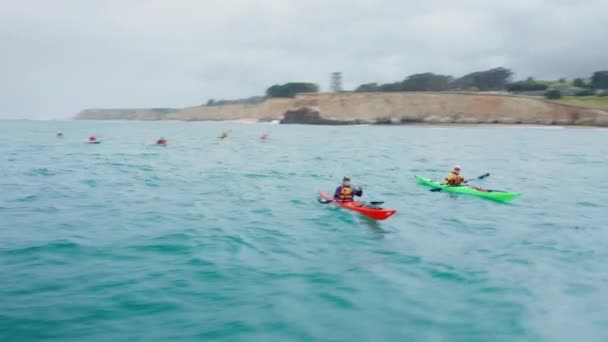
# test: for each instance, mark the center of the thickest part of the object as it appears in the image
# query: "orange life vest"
(454, 179)
(346, 193)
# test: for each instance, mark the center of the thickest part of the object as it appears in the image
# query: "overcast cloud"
(58, 57)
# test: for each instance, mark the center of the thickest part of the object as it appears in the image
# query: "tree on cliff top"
(553, 94)
(367, 88)
(599, 80)
(397, 86)
(291, 89)
(529, 85)
(427, 82)
(579, 82)
(417, 82)
(493, 79)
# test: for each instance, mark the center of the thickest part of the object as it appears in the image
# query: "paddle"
(327, 201)
(480, 177)
(324, 200)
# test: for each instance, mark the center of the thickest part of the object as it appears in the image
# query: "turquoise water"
(225, 241)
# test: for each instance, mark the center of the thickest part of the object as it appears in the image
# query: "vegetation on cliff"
(528, 85)
(496, 79)
(553, 94)
(599, 80)
(291, 89)
(417, 82)
(493, 79)
(249, 100)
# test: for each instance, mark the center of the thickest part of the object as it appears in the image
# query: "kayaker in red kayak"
(161, 141)
(346, 193)
(454, 178)
(92, 138)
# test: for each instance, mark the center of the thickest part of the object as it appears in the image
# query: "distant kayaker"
(264, 136)
(224, 135)
(59, 134)
(346, 193)
(92, 138)
(161, 141)
(454, 178)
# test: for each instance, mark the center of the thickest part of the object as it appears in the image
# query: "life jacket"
(346, 193)
(454, 179)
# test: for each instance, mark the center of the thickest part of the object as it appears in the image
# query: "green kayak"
(495, 195)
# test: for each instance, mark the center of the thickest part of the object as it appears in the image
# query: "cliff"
(308, 116)
(271, 109)
(384, 108)
(126, 114)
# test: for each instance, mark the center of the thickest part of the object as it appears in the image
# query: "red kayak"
(372, 212)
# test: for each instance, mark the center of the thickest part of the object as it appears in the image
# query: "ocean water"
(209, 240)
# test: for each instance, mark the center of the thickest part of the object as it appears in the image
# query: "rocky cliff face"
(443, 108)
(308, 116)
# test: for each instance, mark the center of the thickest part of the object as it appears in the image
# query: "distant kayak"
(93, 139)
(162, 143)
(370, 211)
(495, 195)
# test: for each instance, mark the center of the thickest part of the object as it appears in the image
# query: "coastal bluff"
(142, 114)
(377, 108)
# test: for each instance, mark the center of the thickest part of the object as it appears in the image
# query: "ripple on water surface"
(208, 240)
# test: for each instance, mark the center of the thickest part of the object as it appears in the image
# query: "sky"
(59, 57)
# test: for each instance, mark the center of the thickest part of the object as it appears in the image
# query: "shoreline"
(377, 109)
(421, 124)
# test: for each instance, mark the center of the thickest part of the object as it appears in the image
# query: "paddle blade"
(323, 200)
(376, 202)
(484, 176)
(435, 189)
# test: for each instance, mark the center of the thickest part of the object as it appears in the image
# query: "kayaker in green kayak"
(496, 195)
(454, 178)
(346, 193)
